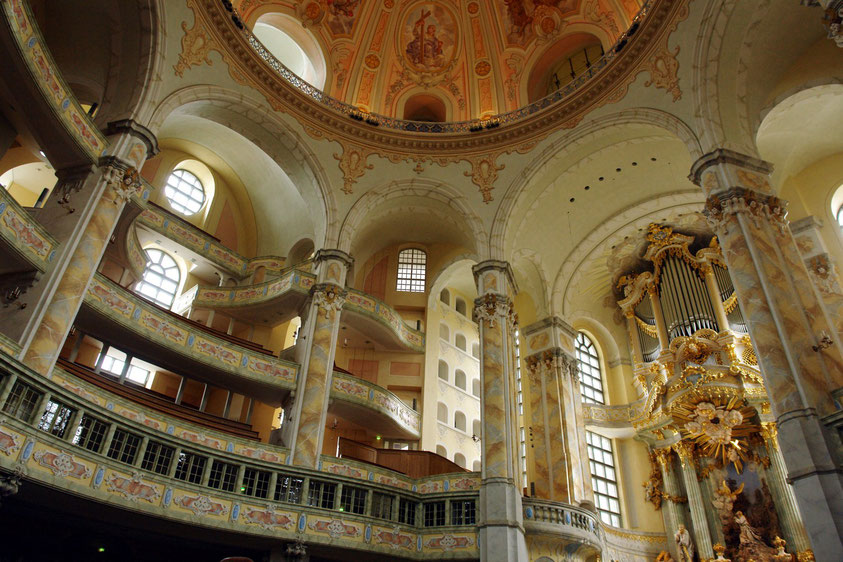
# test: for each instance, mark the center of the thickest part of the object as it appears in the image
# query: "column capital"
(494, 276)
(332, 266)
(136, 130)
(328, 298)
(724, 156)
(722, 206)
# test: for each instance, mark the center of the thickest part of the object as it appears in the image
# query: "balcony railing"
(568, 523)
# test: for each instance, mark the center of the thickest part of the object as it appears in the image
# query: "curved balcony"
(356, 399)
(271, 495)
(575, 530)
(615, 421)
(49, 97)
(167, 224)
(25, 245)
(113, 313)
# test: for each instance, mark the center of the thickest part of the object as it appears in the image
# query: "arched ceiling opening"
(281, 215)
(802, 129)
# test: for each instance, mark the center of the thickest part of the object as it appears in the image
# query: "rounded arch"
(460, 341)
(425, 106)
(442, 412)
(443, 370)
(442, 451)
(476, 428)
(475, 388)
(444, 98)
(234, 111)
(606, 343)
(444, 332)
(461, 307)
(476, 466)
(459, 379)
(459, 420)
(537, 80)
(281, 34)
(413, 201)
(300, 251)
(179, 205)
(445, 297)
(459, 460)
(587, 131)
(592, 375)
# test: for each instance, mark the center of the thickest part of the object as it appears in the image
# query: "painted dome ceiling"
(441, 60)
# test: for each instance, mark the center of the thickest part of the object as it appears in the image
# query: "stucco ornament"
(714, 422)
(329, 300)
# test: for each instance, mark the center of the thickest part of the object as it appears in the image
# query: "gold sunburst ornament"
(719, 426)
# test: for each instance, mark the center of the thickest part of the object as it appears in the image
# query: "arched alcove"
(442, 451)
(445, 297)
(443, 370)
(459, 379)
(476, 428)
(564, 61)
(475, 387)
(294, 46)
(459, 420)
(461, 307)
(459, 460)
(459, 341)
(442, 412)
(444, 332)
(425, 107)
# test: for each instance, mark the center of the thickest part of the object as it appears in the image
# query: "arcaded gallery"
(409, 280)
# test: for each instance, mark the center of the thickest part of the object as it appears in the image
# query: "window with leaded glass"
(91, 433)
(124, 446)
(288, 489)
(353, 500)
(412, 270)
(22, 401)
(588, 363)
(434, 514)
(321, 494)
(161, 278)
(601, 460)
(157, 457)
(463, 512)
(223, 476)
(184, 192)
(55, 418)
(255, 483)
(407, 511)
(191, 467)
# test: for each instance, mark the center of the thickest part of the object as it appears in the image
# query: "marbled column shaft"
(789, 516)
(785, 320)
(673, 513)
(701, 534)
(46, 343)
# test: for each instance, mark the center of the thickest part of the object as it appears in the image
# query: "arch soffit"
(436, 191)
(291, 155)
(625, 223)
(607, 345)
(517, 191)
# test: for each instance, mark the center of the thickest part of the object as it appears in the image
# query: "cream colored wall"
(633, 464)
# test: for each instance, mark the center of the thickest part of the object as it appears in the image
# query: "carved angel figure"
(684, 545)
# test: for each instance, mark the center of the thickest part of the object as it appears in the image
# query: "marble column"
(556, 417)
(501, 528)
(674, 515)
(786, 321)
(305, 428)
(106, 188)
(700, 533)
(789, 517)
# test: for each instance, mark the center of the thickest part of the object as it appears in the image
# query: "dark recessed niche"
(635, 163)
(617, 169)
(587, 187)
(600, 178)
(571, 199)
(653, 159)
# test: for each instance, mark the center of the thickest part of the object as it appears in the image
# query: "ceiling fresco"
(474, 55)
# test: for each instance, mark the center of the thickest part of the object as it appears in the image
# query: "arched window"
(442, 451)
(601, 460)
(475, 350)
(459, 459)
(443, 370)
(460, 306)
(442, 412)
(475, 387)
(475, 467)
(444, 332)
(459, 379)
(459, 421)
(185, 192)
(459, 341)
(160, 278)
(475, 428)
(591, 380)
(412, 269)
(445, 297)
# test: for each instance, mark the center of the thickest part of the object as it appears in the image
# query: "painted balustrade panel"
(620, 415)
(23, 234)
(46, 75)
(205, 245)
(569, 520)
(220, 297)
(437, 484)
(367, 394)
(140, 316)
(361, 303)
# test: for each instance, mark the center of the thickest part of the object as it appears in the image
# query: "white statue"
(748, 534)
(684, 545)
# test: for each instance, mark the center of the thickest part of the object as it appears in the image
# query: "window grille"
(91, 433)
(124, 446)
(191, 467)
(412, 269)
(185, 192)
(288, 489)
(55, 418)
(157, 457)
(381, 505)
(321, 494)
(161, 278)
(434, 514)
(601, 460)
(353, 500)
(463, 512)
(407, 511)
(255, 483)
(223, 476)
(591, 379)
(22, 401)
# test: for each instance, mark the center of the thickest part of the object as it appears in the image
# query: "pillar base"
(500, 536)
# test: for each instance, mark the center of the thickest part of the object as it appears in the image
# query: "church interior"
(493, 280)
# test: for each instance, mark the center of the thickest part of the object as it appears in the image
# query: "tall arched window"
(460, 306)
(442, 412)
(160, 278)
(412, 270)
(185, 192)
(591, 380)
(445, 297)
(442, 451)
(459, 341)
(601, 460)
(459, 460)
(476, 429)
(443, 370)
(459, 379)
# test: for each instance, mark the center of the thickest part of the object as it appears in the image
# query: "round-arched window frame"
(840, 216)
(588, 363)
(184, 192)
(161, 278)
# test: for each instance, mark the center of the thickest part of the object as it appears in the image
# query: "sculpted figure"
(684, 545)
